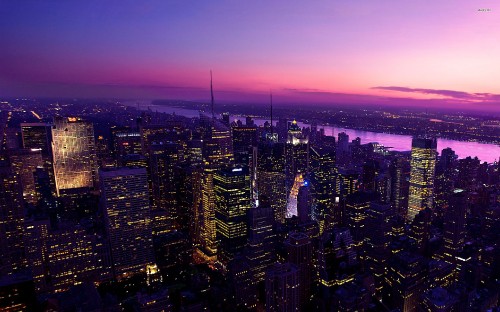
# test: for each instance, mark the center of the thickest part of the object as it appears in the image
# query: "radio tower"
(212, 94)
(271, 96)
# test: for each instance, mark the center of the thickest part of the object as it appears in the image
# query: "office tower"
(281, 129)
(378, 226)
(371, 169)
(300, 253)
(420, 229)
(217, 144)
(71, 258)
(74, 154)
(208, 230)
(448, 159)
(194, 153)
(25, 162)
(423, 163)
(468, 169)
(271, 178)
(282, 288)
(164, 158)
(337, 258)
(343, 148)
(162, 130)
(232, 201)
(105, 157)
(323, 176)
(194, 204)
(346, 182)
(11, 222)
(36, 233)
(406, 279)
(126, 141)
(244, 139)
(261, 241)
(125, 203)
(36, 136)
(454, 226)
(383, 186)
(446, 177)
(305, 203)
(356, 209)
(149, 134)
(173, 253)
(400, 174)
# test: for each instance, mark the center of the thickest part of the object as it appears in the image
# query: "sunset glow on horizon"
(364, 52)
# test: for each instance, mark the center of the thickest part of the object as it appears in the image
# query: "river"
(397, 142)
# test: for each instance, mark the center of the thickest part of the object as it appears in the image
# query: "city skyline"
(385, 53)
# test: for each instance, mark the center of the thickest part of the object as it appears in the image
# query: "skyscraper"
(217, 144)
(25, 162)
(305, 203)
(36, 135)
(454, 226)
(208, 232)
(400, 172)
(261, 241)
(73, 149)
(125, 202)
(271, 178)
(282, 288)
(11, 221)
(232, 194)
(299, 252)
(422, 170)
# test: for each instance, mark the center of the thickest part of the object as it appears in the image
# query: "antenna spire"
(271, 97)
(212, 94)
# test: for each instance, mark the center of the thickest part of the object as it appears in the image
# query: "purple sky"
(430, 53)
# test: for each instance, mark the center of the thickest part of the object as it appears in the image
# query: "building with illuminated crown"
(422, 170)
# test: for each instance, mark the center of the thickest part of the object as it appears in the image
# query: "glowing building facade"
(232, 194)
(291, 208)
(422, 168)
(73, 148)
(125, 201)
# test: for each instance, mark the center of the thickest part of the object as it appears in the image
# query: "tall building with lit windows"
(271, 178)
(261, 241)
(125, 203)
(24, 162)
(217, 144)
(36, 136)
(208, 234)
(11, 221)
(232, 201)
(454, 226)
(74, 153)
(422, 170)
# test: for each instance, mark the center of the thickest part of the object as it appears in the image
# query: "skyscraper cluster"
(167, 213)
